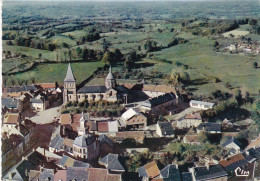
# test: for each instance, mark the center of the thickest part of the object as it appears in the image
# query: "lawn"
(57, 72)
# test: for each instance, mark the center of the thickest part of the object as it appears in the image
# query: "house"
(106, 145)
(67, 161)
(149, 171)
(164, 129)
(191, 139)
(73, 125)
(201, 104)
(170, 173)
(73, 93)
(72, 173)
(232, 144)
(158, 104)
(34, 175)
(133, 119)
(48, 86)
(254, 152)
(25, 101)
(39, 104)
(241, 160)
(20, 171)
(58, 144)
(112, 164)
(102, 174)
(211, 172)
(17, 91)
(86, 147)
(108, 126)
(210, 128)
(254, 144)
(46, 174)
(190, 120)
(8, 156)
(10, 105)
(11, 120)
(138, 136)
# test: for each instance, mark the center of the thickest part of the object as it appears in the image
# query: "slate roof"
(34, 160)
(47, 174)
(22, 88)
(10, 103)
(150, 170)
(84, 140)
(104, 139)
(210, 126)
(39, 101)
(111, 162)
(77, 173)
(187, 176)
(92, 89)
(231, 163)
(214, 171)
(67, 161)
(171, 173)
(57, 142)
(110, 75)
(232, 140)
(69, 76)
(156, 101)
(166, 128)
(254, 152)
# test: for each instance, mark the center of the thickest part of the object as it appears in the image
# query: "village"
(50, 132)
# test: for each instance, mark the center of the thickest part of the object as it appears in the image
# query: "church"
(73, 93)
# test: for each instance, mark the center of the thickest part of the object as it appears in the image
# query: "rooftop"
(112, 163)
(92, 89)
(171, 173)
(150, 169)
(159, 100)
(137, 135)
(202, 103)
(69, 76)
(84, 140)
(166, 128)
(10, 103)
(213, 172)
(11, 118)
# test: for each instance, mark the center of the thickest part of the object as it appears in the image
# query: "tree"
(255, 64)
(129, 143)
(203, 137)
(40, 55)
(252, 22)
(85, 54)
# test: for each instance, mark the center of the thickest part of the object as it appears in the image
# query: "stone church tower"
(69, 93)
(110, 80)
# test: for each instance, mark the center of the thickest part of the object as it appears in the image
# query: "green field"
(57, 72)
(204, 61)
(30, 51)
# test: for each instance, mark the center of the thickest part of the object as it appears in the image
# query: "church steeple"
(110, 80)
(69, 76)
(69, 93)
(82, 127)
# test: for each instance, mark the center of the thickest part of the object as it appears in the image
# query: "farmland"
(52, 38)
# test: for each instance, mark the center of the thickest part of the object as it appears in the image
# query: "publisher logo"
(241, 173)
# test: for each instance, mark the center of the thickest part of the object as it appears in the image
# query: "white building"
(201, 104)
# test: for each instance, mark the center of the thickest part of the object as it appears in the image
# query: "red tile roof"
(152, 169)
(47, 85)
(195, 115)
(254, 144)
(103, 126)
(231, 160)
(65, 119)
(102, 174)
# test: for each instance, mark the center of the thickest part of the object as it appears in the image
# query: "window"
(194, 104)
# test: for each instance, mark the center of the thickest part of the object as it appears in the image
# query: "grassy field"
(57, 72)
(30, 51)
(204, 62)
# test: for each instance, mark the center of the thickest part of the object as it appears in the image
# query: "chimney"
(44, 152)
